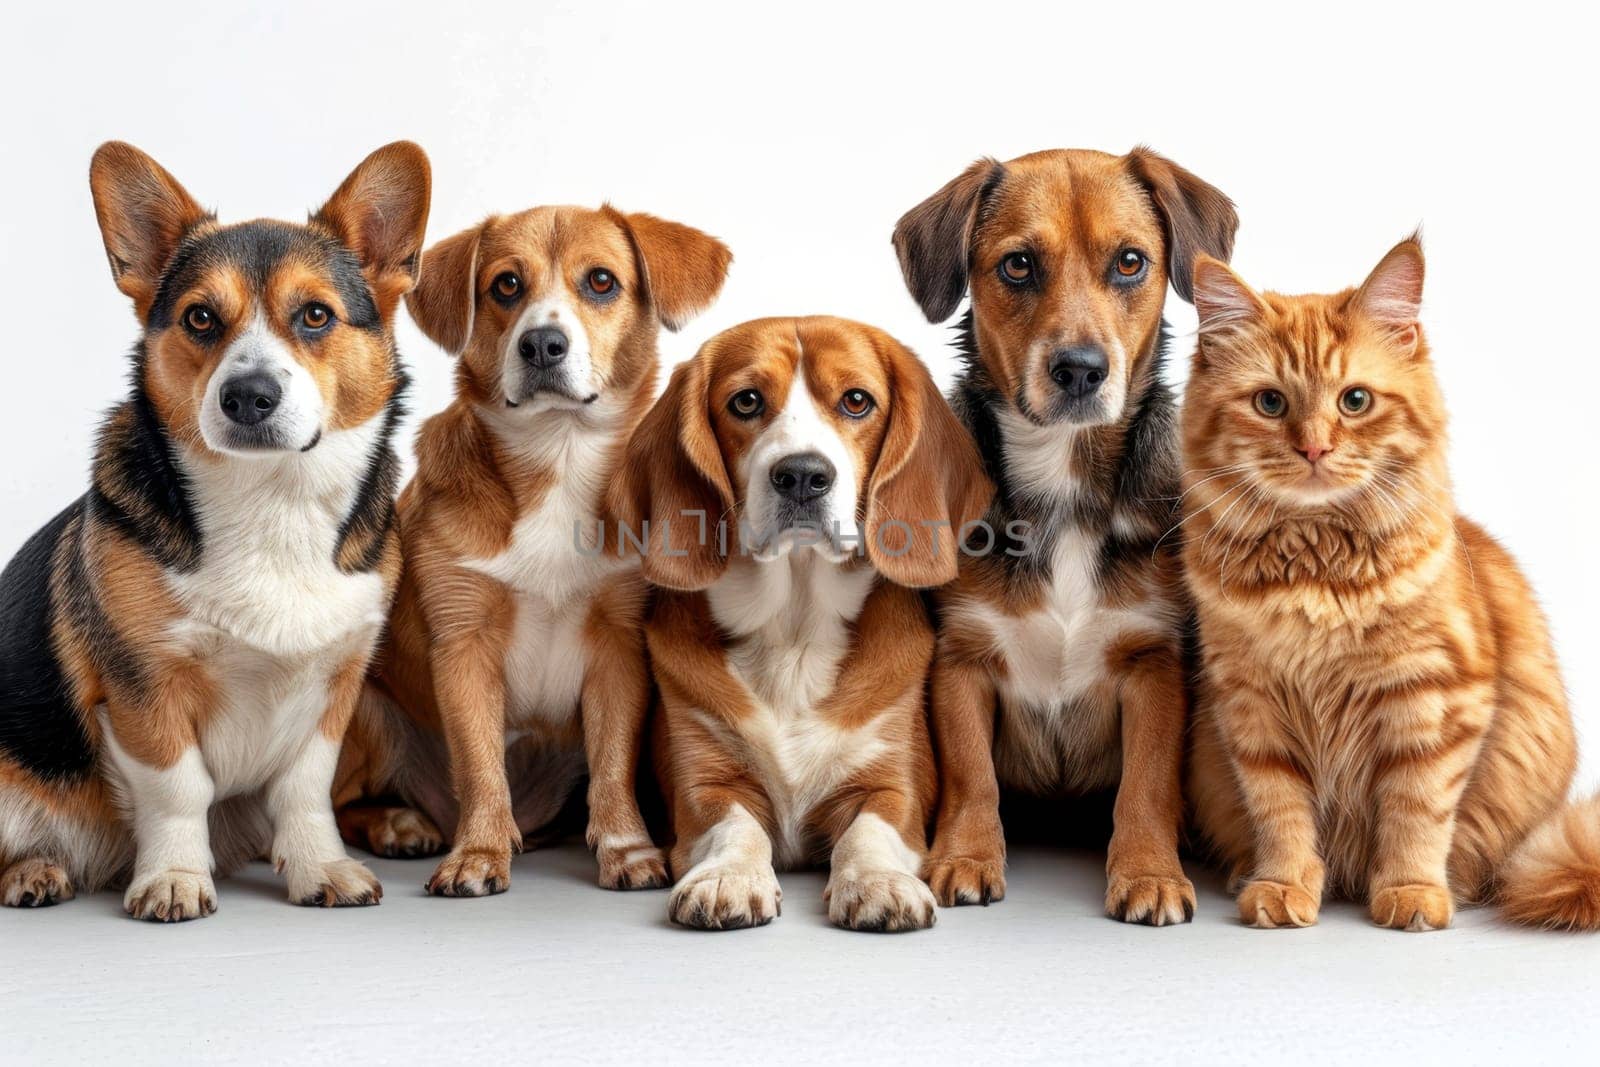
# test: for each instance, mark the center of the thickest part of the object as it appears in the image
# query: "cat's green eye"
(1271, 403)
(1355, 401)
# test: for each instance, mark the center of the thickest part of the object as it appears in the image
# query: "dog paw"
(1413, 907)
(887, 902)
(1153, 900)
(471, 873)
(340, 884)
(404, 834)
(642, 866)
(1270, 905)
(726, 898)
(34, 883)
(957, 880)
(171, 896)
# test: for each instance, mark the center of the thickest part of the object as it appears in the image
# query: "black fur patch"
(365, 530)
(138, 487)
(40, 727)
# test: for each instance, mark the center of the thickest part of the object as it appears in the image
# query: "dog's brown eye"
(1355, 401)
(316, 316)
(1271, 403)
(507, 286)
(1130, 263)
(200, 319)
(1017, 268)
(746, 404)
(857, 403)
(601, 281)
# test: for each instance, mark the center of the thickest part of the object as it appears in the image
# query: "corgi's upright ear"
(683, 268)
(380, 213)
(143, 213)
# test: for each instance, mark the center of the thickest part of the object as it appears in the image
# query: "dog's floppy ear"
(1197, 216)
(683, 269)
(380, 212)
(928, 482)
(446, 297)
(143, 213)
(672, 491)
(933, 240)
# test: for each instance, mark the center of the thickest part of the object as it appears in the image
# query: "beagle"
(182, 647)
(1060, 665)
(793, 485)
(515, 659)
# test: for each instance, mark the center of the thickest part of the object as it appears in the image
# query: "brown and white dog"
(181, 648)
(792, 666)
(515, 656)
(1060, 665)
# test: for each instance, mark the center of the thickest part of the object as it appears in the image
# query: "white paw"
(726, 898)
(341, 883)
(171, 896)
(879, 901)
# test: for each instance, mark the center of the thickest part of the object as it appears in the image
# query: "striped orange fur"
(1380, 712)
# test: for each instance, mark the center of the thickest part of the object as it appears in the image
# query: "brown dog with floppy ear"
(796, 478)
(1059, 669)
(515, 663)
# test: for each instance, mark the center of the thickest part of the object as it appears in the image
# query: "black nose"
(803, 477)
(543, 346)
(1079, 370)
(250, 398)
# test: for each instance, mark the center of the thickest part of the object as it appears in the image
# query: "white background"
(800, 133)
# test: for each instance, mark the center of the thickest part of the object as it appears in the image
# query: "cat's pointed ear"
(1391, 297)
(1222, 299)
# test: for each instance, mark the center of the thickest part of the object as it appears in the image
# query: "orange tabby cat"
(1380, 713)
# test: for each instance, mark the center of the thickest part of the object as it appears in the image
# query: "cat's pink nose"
(1313, 452)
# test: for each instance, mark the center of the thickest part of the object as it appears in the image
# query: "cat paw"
(171, 896)
(957, 880)
(726, 898)
(1153, 900)
(1413, 907)
(341, 884)
(880, 902)
(34, 883)
(1270, 905)
(471, 873)
(641, 866)
(403, 834)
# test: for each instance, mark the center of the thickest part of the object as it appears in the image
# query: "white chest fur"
(268, 610)
(553, 566)
(790, 623)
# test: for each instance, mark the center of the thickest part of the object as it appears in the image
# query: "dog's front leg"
(1145, 879)
(873, 881)
(306, 847)
(469, 683)
(968, 862)
(168, 791)
(616, 697)
(725, 856)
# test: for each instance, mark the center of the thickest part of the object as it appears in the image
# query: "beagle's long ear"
(380, 212)
(683, 268)
(672, 490)
(143, 214)
(929, 481)
(933, 240)
(1197, 216)
(446, 297)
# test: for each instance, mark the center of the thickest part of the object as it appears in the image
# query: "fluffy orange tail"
(1553, 879)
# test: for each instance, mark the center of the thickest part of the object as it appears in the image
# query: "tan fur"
(453, 626)
(1381, 713)
(913, 463)
(1071, 212)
